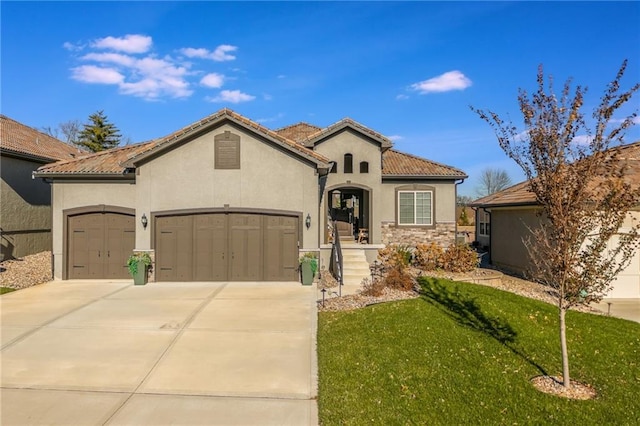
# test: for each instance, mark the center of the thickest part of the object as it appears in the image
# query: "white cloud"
(270, 119)
(97, 75)
(452, 80)
(220, 54)
(128, 63)
(115, 58)
(582, 140)
(395, 137)
(232, 96)
(401, 97)
(130, 43)
(72, 47)
(213, 80)
(634, 120)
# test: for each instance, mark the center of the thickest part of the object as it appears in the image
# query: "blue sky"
(408, 70)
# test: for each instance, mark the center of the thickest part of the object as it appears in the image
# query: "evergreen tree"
(99, 134)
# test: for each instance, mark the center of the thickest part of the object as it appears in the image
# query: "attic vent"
(227, 151)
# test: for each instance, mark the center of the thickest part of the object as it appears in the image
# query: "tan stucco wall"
(348, 142)
(509, 227)
(268, 178)
(72, 195)
(25, 209)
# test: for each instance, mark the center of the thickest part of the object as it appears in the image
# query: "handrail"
(336, 265)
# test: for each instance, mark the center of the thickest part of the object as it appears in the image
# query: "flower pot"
(141, 275)
(308, 267)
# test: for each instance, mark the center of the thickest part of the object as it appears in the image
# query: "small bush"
(372, 288)
(428, 257)
(395, 255)
(459, 258)
(398, 279)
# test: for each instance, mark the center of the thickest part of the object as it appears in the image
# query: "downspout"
(490, 235)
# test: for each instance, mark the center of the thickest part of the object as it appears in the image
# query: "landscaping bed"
(26, 271)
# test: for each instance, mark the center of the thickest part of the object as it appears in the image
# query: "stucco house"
(226, 198)
(504, 218)
(25, 202)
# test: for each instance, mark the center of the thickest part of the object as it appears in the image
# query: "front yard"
(465, 354)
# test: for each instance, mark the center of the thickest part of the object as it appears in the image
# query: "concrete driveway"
(96, 353)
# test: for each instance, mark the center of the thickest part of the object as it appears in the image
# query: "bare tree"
(491, 181)
(66, 131)
(586, 235)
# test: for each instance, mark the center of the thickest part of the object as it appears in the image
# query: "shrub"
(372, 288)
(398, 279)
(459, 258)
(395, 255)
(428, 256)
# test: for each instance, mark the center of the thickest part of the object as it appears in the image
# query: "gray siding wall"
(25, 209)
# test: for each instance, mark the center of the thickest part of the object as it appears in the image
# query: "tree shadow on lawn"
(466, 312)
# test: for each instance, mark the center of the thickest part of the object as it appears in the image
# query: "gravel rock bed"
(508, 283)
(357, 301)
(26, 271)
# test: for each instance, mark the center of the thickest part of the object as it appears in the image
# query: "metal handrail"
(336, 265)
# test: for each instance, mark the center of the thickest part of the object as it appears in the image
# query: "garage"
(225, 246)
(99, 244)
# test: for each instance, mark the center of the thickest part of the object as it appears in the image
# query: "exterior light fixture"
(307, 221)
(144, 221)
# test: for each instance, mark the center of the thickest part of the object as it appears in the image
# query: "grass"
(4, 290)
(464, 354)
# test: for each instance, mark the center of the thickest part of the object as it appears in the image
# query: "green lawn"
(464, 354)
(4, 290)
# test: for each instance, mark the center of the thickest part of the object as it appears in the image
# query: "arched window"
(364, 167)
(348, 163)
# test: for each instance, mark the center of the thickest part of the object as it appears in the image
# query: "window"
(364, 167)
(415, 208)
(348, 163)
(484, 223)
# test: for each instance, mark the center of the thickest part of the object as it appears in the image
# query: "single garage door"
(99, 245)
(226, 247)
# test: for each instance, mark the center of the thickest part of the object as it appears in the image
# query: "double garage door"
(226, 247)
(99, 244)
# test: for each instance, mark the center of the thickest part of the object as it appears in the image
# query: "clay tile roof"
(520, 194)
(109, 162)
(346, 122)
(298, 132)
(225, 112)
(396, 163)
(26, 141)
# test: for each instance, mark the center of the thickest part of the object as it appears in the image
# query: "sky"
(408, 70)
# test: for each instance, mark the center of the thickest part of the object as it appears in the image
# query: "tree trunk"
(565, 354)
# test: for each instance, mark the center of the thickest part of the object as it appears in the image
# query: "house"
(226, 198)
(503, 220)
(25, 203)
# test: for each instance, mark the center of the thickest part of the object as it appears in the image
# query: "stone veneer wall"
(443, 233)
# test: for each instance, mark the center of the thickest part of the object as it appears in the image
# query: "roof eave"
(511, 204)
(26, 156)
(384, 143)
(72, 176)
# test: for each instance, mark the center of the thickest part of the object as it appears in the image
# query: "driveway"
(96, 353)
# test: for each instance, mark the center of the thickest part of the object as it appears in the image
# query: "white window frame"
(484, 219)
(414, 192)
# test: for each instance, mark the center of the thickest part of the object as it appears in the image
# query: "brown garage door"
(99, 245)
(226, 247)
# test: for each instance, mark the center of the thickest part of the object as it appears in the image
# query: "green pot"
(141, 275)
(308, 267)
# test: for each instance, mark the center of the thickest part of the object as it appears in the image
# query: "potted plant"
(308, 267)
(139, 264)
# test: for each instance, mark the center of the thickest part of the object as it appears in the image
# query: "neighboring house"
(228, 199)
(503, 220)
(25, 202)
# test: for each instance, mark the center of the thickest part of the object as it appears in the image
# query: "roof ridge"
(297, 124)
